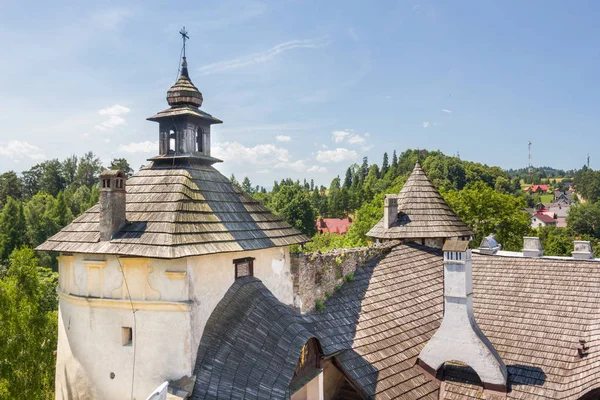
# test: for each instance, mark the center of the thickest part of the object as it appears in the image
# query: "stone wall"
(318, 275)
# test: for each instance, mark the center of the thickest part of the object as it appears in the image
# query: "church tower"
(184, 128)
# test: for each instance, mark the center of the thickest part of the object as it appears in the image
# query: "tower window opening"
(172, 140)
(106, 183)
(127, 336)
(199, 139)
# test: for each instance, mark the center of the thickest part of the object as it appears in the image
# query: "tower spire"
(184, 37)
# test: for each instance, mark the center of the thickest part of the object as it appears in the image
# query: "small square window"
(127, 336)
(244, 267)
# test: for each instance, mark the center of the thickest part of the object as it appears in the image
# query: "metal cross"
(184, 36)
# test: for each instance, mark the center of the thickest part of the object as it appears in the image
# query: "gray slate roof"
(423, 213)
(178, 211)
(250, 346)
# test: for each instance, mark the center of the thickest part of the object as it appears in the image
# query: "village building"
(536, 189)
(337, 226)
(542, 219)
(177, 281)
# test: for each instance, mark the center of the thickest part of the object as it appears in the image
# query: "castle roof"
(422, 213)
(535, 311)
(177, 210)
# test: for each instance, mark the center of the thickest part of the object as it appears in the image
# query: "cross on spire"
(184, 36)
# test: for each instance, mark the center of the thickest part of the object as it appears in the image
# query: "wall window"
(127, 336)
(244, 267)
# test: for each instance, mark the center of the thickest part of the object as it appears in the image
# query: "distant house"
(541, 219)
(536, 189)
(560, 197)
(339, 226)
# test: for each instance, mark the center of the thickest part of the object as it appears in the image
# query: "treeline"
(540, 175)
(359, 194)
(40, 201)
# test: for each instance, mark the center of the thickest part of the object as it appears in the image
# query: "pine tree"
(395, 162)
(348, 179)
(247, 185)
(384, 165)
(12, 228)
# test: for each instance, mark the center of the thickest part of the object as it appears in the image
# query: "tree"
(335, 200)
(12, 228)
(486, 211)
(348, 178)
(385, 164)
(394, 161)
(10, 185)
(89, 169)
(69, 168)
(555, 241)
(584, 219)
(28, 328)
(39, 217)
(247, 185)
(123, 165)
(52, 179)
(31, 181)
(294, 205)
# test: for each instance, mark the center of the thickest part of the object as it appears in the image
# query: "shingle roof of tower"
(183, 92)
(422, 213)
(178, 211)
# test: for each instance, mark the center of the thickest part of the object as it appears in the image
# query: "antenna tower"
(530, 170)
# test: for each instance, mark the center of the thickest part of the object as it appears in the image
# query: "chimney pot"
(489, 245)
(112, 203)
(532, 247)
(582, 250)
(390, 210)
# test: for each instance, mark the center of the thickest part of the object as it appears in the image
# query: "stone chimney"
(390, 210)
(532, 247)
(112, 203)
(489, 245)
(582, 250)
(459, 337)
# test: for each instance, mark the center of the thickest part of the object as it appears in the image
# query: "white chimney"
(532, 247)
(390, 210)
(459, 337)
(489, 245)
(582, 250)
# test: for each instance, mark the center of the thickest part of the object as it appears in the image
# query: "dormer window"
(244, 267)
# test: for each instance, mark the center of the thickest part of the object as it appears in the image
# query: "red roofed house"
(542, 219)
(334, 225)
(536, 189)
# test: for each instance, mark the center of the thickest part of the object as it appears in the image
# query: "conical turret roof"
(422, 213)
(183, 92)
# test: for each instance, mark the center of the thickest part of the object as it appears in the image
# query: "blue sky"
(305, 87)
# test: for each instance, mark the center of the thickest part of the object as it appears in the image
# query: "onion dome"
(183, 92)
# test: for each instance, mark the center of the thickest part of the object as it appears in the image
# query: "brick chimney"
(582, 250)
(459, 338)
(390, 210)
(532, 247)
(112, 203)
(489, 245)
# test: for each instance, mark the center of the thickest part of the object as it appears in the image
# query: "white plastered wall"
(173, 299)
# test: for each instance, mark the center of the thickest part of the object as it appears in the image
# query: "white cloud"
(140, 147)
(17, 150)
(446, 110)
(425, 124)
(318, 169)
(116, 109)
(114, 119)
(263, 171)
(337, 155)
(261, 57)
(283, 138)
(111, 123)
(298, 166)
(261, 154)
(339, 136)
(356, 139)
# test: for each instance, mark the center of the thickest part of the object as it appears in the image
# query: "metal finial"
(184, 36)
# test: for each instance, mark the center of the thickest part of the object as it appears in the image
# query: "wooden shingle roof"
(178, 211)
(422, 213)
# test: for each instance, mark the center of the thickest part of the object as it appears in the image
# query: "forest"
(38, 202)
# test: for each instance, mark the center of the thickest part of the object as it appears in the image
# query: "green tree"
(247, 185)
(584, 219)
(52, 179)
(39, 217)
(89, 169)
(486, 211)
(294, 205)
(385, 164)
(123, 165)
(69, 168)
(556, 241)
(28, 329)
(12, 228)
(335, 200)
(10, 185)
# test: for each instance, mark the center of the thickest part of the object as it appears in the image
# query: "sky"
(305, 88)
